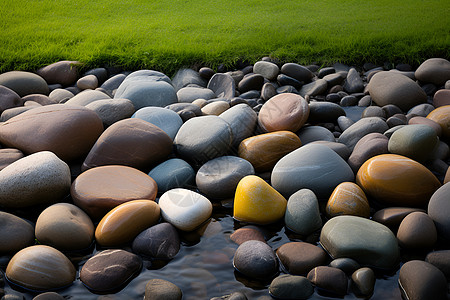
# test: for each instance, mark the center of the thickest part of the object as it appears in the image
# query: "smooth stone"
(441, 260)
(202, 102)
(421, 280)
(309, 134)
(15, 111)
(324, 112)
(267, 69)
(334, 79)
(251, 82)
(298, 258)
(305, 168)
(346, 264)
(391, 110)
(185, 77)
(87, 82)
(219, 177)
(439, 210)
(414, 141)
(417, 231)
(67, 131)
(60, 95)
(441, 115)
(287, 89)
(164, 118)
(370, 145)
(16, 233)
(302, 213)
(255, 259)
(185, 107)
(434, 70)
(189, 94)
(388, 133)
(247, 233)
(185, 209)
(49, 296)
(339, 148)
(24, 83)
(348, 199)
(40, 268)
(393, 216)
(157, 289)
(314, 88)
(364, 281)
(344, 122)
(353, 82)
(396, 180)
(112, 110)
(109, 270)
(257, 202)
(396, 120)
(173, 173)
(206, 72)
(100, 73)
(326, 71)
(131, 142)
(160, 241)
(125, 221)
(39, 178)
(285, 111)
(288, 81)
(361, 128)
(426, 121)
(215, 108)
(64, 226)
(223, 85)
(374, 111)
(349, 100)
(268, 91)
(393, 88)
(9, 99)
(367, 242)
(329, 279)
(37, 99)
(265, 150)
(63, 72)
(291, 287)
(203, 138)
(421, 110)
(8, 156)
(297, 71)
(113, 83)
(242, 120)
(441, 98)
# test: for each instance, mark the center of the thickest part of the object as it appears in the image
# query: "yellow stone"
(257, 202)
(348, 199)
(441, 115)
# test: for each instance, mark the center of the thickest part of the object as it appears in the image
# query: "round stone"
(109, 270)
(160, 241)
(370, 145)
(242, 120)
(64, 226)
(417, 231)
(302, 213)
(324, 112)
(184, 209)
(215, 108)
(441, 260)
(348, 199)
(426, 121)
(309, 134)
(124, 222)
(113, 83)
(86, 97)
(60, 95)
(63, 72)
(255, 259)
(267, 69)
(8, 156)
(251, 82)
(305, 168)
(156, 289)
(218, 178)
(361, 128)
(173, 173)
(298, 258)
(346, 264)
(40, 268)
(263, 151)
(291, 287)
(364, 281)
(434, 70)
(100, 189)
(366, 241)
(223, 85)
(332, 280)
(15, 235)
(439, 210)
(112, 110)
(396, 180)
(394, 88)
(9, 99)
(24, 83)
(164, 118)
(257, 202)
(297, 71)
(247, 233)
(285, 111)
(39, 178)
(441, 115)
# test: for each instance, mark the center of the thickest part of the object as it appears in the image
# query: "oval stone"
(285, 111)
(185, 209)
(63, 72)
(215, 108)
(242, 120)
(86, 97)
(434, 70)
(439, 210)
(441, 260)
(223, 85)
(348, 199)
(40, 268)
(247, 233)
(332, 280)
(112, 110)
(441, 115)
(361, 128)
(156, 289)
(298, 258)
(323, 112)
(291, 287)
(397, 181)
(346, 264)
(264, 150)
(160, 241)
(363, 280)
(366, 241)
(8, 156)
(309, 134)
(417, 231)
(257, 202)
(9, 99)
(173, 173)
(426, 121)
(15, 235)
(24, 83)
(297, 71)
(124, 222)
(370, 145)
(100, 189)
(64, 226)
(302, 213)
(164, 118)
(393, 216)
(255, 259)
(267, 69)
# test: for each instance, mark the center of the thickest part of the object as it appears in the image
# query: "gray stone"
(255, 259)
(251, 82)
(439, 210)
(344, 122)
(60, 95)
(441, 260)
(166, 119)
(267, 69)
(353, 82)
(291, 287)
(86, 97)
(185, 77)
(346, 264)
(361, 128)
(297, 71)
(434, 70)
(9, 99)
(189, 94)
(421, 110)
(24, 83)
(314, 88)
(388, 133)
(323, 112)
(339, 148)
(285, 80)
(302, 213)
(310, 134)
(223, 85)
(113, 83)
(268, 91)
(112, 110)
(100, 73)
(157, 289)
(15, 235)
(325, 71)
(173, 173)
(49, 296)
(160, 241)
(349, 100)
(373, 111)
(15, 111)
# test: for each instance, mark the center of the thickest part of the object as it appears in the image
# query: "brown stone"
(348, 199)
(426, 121)
(298, 258)
(62, 72)
(9, 99)
(8, 156)
(441, 98)
(16, 233)
(447, 176)
(393, 216)
(247, 233)
(369, 146)
(417, 231)
(441, 115)
(24, 83)
(330, 279)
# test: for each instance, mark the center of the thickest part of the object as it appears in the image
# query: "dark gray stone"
(251, 82)
(173, 173)
(297, 71)
(291, 287)
(255, 259)
(323, 112)
(441, 260)
(330, 279)
(439, 210)
(223, 85)
(361, 128)
(298, 258)
(184, 77)
(367, 147)
(283, 79)
(160, 241)
(346, 264)
(353, 82)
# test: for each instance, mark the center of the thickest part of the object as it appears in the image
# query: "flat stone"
(267, 69)
(314, 88)
(330, 279)
(255, 259)
(185, 209)
(291, 287)
(257, 202)
(393, 216)
(298, 258)
(164, 118)
(366, 241)
(324, 112)
(361, 128)
(24, 83)
(63, 72)
(109, 270)
(396, 180)
(160, 241)
(173, 173)
(185, 77)
(364, 281)
(112, 110)
(8, 156)
(268, 91)
(353, 82)
(247, 233)
(156, 289)
(223, 85)
(368, 146)
(242, 120)
(302, 213)
(441, 260)
(15, 235)
(434, 70)
(189, 94)
(40, 268)
(131, 142)
(309, 134)
(417, 231)
(438, 210)
(297, 71)
(125, 221)
(441, 115)
(348, 199)
(9, 99)
(40, 178)
(421, 110)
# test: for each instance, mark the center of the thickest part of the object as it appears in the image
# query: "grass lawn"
(166, 35)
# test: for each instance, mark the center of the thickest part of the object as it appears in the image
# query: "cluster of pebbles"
(353, 162)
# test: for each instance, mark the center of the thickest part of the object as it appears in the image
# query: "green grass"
(166, 35)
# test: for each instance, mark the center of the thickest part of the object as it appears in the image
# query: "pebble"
(111, 84)
(370, 145)
(298, 258)
(331, 280)
(109, 270)
(255, 259)
(189, 94)
(63, 72)
(215, 108)
(441, 260)
(323, 112)
(160, 241)
(24, 83)
(87, 82)
(185, 77)
(393, 216)
(297, 71)
(348, 199)
(441, 98)
(86, 97)
(267, 69)
(302, 213)
(156, 289)
(15, 235)
(364, 280)
(40, 268)
(112, 110)
(37, 99)
(426, 121)
(173, 173)
(353, 82)
(9, 99)
(247, 233)
(441, 115)
(60, 95)
(314, 88)
(339, 148)
(346, 264)
(268, 91)
(417, 231)
(288, 81)
(223, 85)
(291, 287)
(166, 119)
(242, 120)
(434, 70)
(439, 209)
(309, 134)
(361, 128)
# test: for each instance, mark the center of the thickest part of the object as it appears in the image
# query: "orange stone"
(441, 115)
(348, 199)
(396, 180)
(263, 151)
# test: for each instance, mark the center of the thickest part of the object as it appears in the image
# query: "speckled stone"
(255, 259)
(15, 235)
(298, 258)
(291, 287)
(157, 289)
(302, 213)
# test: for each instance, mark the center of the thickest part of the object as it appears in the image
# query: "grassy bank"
(166, 35)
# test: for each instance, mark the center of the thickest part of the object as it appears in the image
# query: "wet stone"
(291, 287)
(173, 173)
(302, 213)
(255, 259)
(329, 279)
(363, 281)
(348, 199)
(247, 233)
(339, 148)
(298, 258)
(417, 231)
(370, 145)
(346, 264)
(156, 289)
(441, 115)
(393, 216)
(322, 112)
(160, 241)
